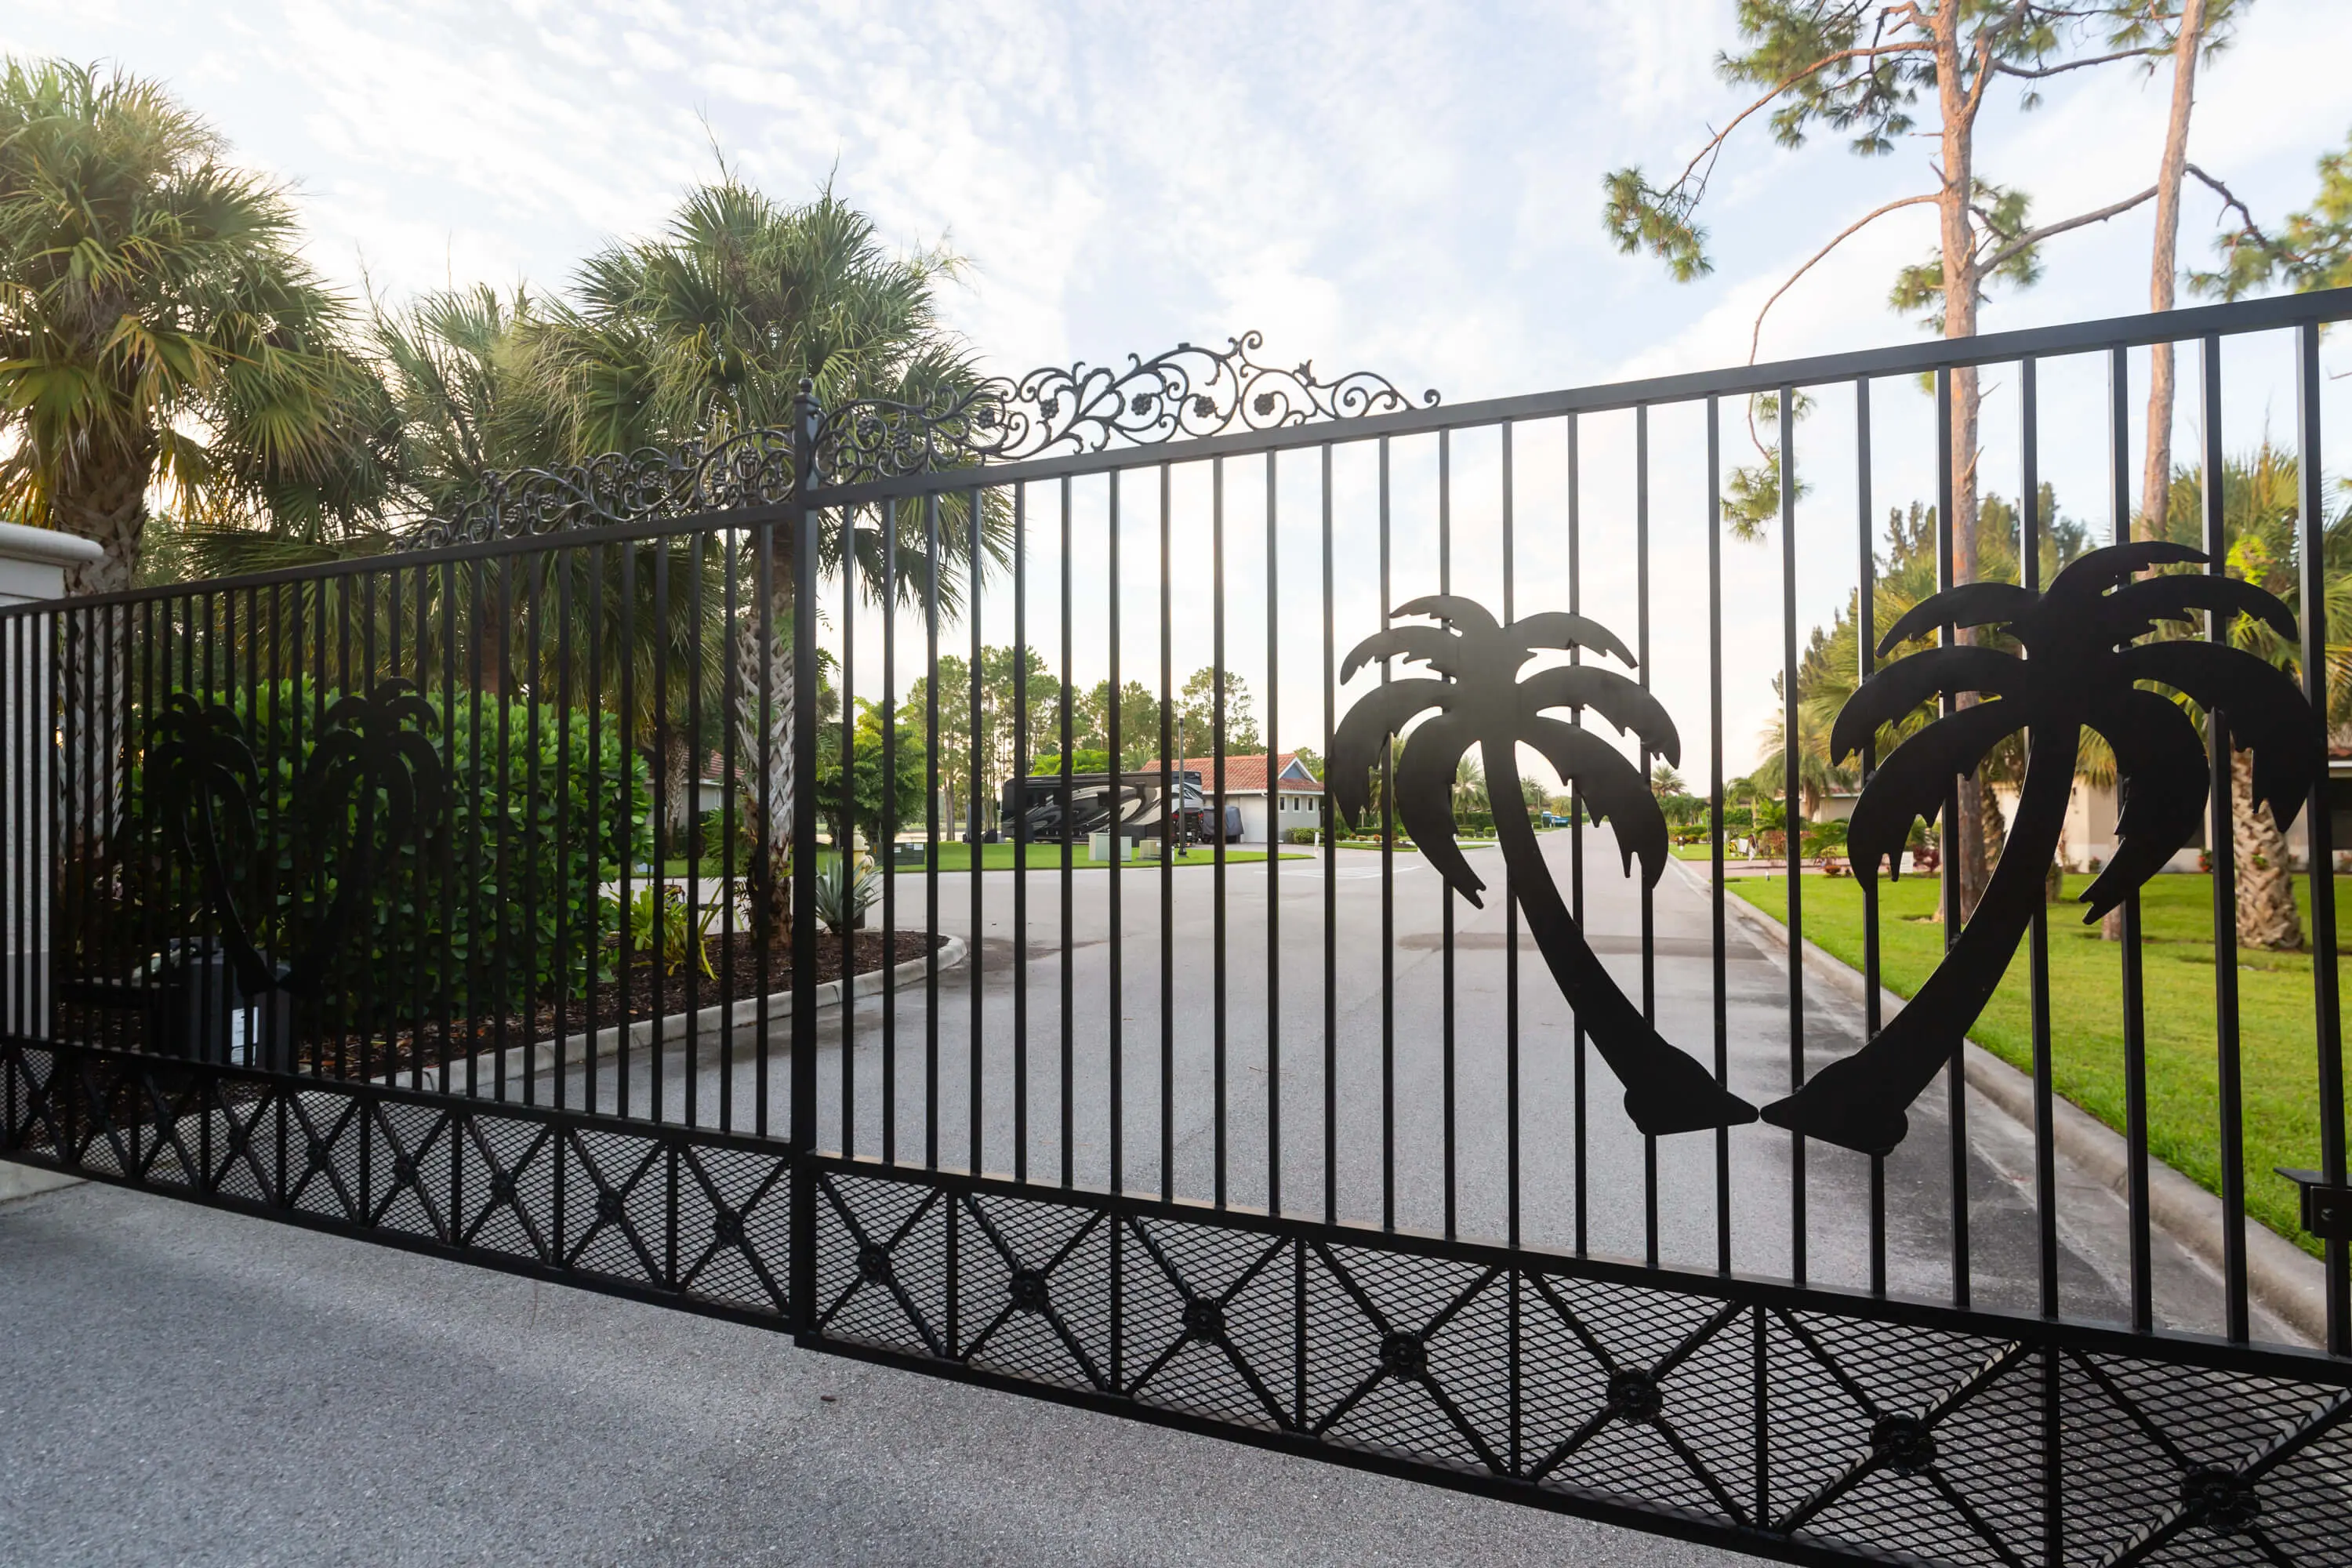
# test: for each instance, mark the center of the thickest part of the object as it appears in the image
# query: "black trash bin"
(209, 1016)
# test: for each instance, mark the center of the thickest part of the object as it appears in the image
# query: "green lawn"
(2280, 1067)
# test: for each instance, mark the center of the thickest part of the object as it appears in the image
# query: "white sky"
(1413, 189)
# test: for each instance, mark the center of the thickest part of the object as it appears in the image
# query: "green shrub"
(658, 922)
(537, 821)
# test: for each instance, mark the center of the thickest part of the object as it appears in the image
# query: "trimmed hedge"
(538, 820)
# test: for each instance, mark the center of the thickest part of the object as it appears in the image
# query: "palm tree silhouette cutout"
(371, 784)
(1482, 702)
(373, 749)
(2082, 667)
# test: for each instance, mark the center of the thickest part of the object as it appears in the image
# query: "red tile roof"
(1242, 774)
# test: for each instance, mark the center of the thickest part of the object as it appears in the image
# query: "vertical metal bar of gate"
(1446, 1048)
(801, 520)
(2231, 1100)
(1718, 993)
(1792, 820)
(1018, 831)
(1275, 836)
(2143, 1308)
(2318, 827)
(1576, 834)
(1955, 1080)
(1329, 820)
(1866, 609)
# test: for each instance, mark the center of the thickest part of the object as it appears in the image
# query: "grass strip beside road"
(2279, 1058)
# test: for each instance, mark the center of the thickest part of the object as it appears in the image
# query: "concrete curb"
(529, 1061)
(2282, 1277)
(25, 1181)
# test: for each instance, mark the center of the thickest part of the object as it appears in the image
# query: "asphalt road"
(180, 1387)
(1388, 1080)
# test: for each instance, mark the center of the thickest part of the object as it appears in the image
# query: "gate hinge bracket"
(2326, 1206)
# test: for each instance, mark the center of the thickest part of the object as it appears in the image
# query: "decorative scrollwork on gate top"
(1187, 392)
(753, 467)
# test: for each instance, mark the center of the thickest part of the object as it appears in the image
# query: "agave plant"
(1480, 700)
(2082, 668)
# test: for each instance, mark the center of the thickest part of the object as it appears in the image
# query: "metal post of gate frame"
(801, 520)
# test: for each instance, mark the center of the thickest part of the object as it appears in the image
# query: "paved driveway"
(1021, 987)
(183, 1386)
(186, 1387)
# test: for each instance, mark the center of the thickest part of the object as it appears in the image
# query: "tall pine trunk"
(1962, 282)
(2156, 475)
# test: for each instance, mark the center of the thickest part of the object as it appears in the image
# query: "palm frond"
(1969, 605)
(2267, 713)
(1610, 787)
(2160, 774)
(1889, 696)
(1561, 629)
(2095, 573)
(1424, 645)
(1910, 784)
(1622, 702)
(2180, 597)
(1362, 736)
(1467, 614)
(1425, 797)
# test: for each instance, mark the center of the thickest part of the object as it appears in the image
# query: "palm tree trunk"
(2267, 917)
(674, 749)
(112, 512)
(1860, 1103)
(1991, 838)
(763, 754)
(1665, 1090)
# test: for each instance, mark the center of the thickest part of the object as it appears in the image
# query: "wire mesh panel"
(1175, 888)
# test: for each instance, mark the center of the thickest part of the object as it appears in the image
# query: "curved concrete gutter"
(705, 1024)
(2280, 1275)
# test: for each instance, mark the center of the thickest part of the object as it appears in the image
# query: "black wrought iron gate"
(501, 899)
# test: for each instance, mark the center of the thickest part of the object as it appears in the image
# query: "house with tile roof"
(1296, 798)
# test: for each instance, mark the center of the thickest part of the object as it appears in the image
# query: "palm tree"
(707, 333)
(2261, 522)
(154, 293)
(1481, 702)
(2082, 668)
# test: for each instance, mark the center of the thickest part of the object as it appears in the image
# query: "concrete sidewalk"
(179, 1386)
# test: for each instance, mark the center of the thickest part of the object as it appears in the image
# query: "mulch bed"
(735, 966)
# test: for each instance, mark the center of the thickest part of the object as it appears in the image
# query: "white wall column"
(33, 563)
